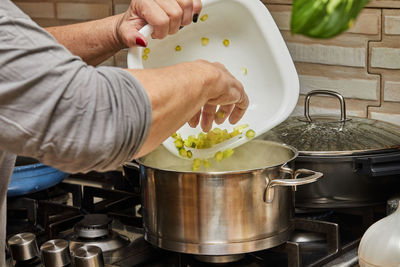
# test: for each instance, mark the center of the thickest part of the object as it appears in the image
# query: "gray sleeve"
(61, 111)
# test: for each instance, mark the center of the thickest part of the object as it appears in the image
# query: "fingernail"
(195, 17)
(140, 42)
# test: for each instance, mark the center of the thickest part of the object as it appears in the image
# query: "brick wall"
(362, 64)
(60, 12)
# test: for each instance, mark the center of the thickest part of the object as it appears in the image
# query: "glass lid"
(334, 136)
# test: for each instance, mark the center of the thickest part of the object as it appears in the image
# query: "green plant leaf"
(324, 18)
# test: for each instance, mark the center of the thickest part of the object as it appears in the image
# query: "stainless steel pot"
(221, 212)
(360, 157)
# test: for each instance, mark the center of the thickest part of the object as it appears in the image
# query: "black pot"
(359, 157)
(350, 181)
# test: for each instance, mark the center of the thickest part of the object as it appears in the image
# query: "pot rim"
(349, 152)
(293, 149)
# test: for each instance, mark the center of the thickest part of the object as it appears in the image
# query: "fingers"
(197, 6)
(233, 112)
(166, 16)
(187, 8)
(240, 106)
(129, 34)
(194, 121)
(155, 15)
(207, 117)
(239, 110)
(175, 13)
(223, 113)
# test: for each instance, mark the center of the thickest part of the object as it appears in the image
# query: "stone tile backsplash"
(362, 64)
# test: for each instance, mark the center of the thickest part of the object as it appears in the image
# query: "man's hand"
(166, 16)
(190, 90)
(224, 90)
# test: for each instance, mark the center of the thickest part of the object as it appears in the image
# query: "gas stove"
(102, 210)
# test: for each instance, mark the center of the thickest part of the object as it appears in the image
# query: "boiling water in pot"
(256, 154)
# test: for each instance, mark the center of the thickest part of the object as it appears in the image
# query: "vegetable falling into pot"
(207, 140)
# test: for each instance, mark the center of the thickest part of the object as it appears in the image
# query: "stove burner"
(109, 243)
(219, 259)
(95, 230)
(93, 226)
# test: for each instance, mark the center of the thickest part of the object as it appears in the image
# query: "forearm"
(93, 41)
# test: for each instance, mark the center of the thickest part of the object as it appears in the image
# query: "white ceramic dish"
(255, 44)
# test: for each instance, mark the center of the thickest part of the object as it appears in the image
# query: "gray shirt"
(56, 108)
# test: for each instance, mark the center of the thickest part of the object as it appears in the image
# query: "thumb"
(139, 39)
(131, 36)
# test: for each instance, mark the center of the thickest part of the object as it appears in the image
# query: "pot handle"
(328, 93)
(313, 176)
(379, 165)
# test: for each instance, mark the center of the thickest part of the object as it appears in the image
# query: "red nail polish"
(140, 42)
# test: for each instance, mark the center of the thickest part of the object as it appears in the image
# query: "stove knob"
(87, 256)
(23, 247)
(55, 253)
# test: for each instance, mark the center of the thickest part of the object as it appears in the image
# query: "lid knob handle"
(328, 93)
